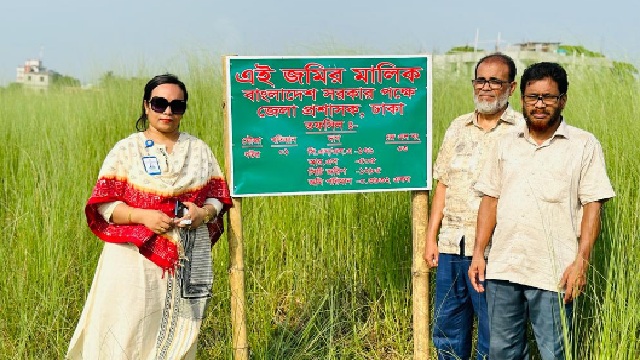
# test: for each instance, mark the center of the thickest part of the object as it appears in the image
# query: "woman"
(154, 276)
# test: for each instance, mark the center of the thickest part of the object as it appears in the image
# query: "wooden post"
(420, 276)
(236, 253)
(236, 281)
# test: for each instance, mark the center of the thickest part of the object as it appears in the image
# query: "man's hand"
(574, 279)
(431, 254)
(484, 228)
(476, 272)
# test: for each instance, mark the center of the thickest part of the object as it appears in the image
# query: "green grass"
(327, 276)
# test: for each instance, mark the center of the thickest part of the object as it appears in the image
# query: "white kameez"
(134, 309)
(125, 314)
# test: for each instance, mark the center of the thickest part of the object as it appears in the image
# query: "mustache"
(539, 111)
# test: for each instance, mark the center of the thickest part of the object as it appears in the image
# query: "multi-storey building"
(34, 75)
(523, 54)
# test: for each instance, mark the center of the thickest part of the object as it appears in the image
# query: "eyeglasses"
(160, 104)
(494, 84)
(547, 99)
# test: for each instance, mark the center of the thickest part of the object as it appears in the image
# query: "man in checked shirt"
(451, 229)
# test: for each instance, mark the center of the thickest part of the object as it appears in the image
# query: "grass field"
(327, 276)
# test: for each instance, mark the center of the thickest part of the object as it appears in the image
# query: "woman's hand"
(155, 220)
(195, 213)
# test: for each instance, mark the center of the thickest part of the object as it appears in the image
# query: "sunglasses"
(160, 104)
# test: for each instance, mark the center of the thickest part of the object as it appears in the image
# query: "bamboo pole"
(236, 281)
(420, 276)
(239, 343)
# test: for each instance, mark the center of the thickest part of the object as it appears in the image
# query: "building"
(523, 54)
(548, 47)
(34, 75)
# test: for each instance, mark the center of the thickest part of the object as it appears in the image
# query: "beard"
(491, 107)
(555, 115)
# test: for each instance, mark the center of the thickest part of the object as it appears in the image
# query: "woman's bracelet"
(208, 215)
(129, 216)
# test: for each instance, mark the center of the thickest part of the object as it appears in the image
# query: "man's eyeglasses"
(547, 99)
(160, 104)
(494, 84)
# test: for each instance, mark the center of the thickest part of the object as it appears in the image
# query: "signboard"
(306, 125)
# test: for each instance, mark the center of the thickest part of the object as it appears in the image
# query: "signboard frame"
(316, 98)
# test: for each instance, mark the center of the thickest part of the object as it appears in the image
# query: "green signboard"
(306, 125)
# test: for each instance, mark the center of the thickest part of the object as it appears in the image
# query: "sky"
(86, 38)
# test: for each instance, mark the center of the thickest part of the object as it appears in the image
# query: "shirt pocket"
(553, 186)
(513, 167)
(461, 161)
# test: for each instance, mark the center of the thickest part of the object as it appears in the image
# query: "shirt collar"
(508, 115)
(561, 131)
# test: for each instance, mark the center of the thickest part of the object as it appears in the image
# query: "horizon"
(85, 40)
(138, 72)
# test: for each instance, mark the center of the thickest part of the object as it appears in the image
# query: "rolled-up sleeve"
(445, 153)
(106, 209)
(490, 179)
(594, 182)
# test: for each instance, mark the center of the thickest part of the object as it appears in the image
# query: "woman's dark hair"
(543, 70)
(141, 124)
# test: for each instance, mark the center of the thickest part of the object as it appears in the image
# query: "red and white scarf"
(192, 174)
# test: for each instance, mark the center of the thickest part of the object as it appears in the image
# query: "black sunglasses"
(160, 104)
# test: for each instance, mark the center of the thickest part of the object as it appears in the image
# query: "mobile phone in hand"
(181, 210)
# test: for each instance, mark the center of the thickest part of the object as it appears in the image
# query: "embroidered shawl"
(189, 173)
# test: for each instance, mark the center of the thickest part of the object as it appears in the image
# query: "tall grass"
(327, 276)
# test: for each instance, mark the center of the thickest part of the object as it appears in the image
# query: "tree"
(59, 80)
(462, 49)
(579, 50)
(624, 70)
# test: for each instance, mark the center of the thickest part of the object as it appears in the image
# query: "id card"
(151, 165)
